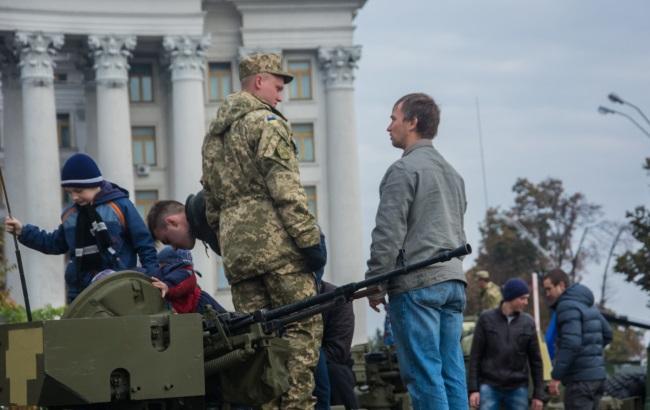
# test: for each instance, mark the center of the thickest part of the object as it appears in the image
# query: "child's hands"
(13, 225)
(160, 285)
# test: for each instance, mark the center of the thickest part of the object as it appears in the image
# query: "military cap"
(263, 63)
(483, 274)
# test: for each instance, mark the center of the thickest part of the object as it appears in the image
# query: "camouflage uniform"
(258, 207)
(490, 297)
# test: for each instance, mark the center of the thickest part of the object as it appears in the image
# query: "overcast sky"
(539, 69)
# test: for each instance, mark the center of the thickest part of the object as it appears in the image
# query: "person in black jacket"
(504, 348)
(338, 329)
(582, 334)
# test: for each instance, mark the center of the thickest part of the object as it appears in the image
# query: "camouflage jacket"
(490, 297)
(254, 198)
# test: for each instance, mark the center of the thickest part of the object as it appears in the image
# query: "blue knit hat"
(80, 171)
(514, 288)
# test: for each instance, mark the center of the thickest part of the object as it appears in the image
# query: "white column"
(187, 66)
(345, 236)
(114, 150)
(41, 181)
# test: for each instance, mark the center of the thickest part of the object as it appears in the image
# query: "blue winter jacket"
(129, 235)
(582, 334)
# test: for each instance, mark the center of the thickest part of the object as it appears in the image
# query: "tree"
(635, 265)
(551, 216)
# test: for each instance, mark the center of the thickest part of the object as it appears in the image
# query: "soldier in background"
(269, 241)
(489, 293)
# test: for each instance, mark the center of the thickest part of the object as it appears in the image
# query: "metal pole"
(480, 144)
(609, 257)
(647, 380)
(19, 259)
(605, 110)
(535, 284)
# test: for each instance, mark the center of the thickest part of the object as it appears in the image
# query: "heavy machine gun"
(119, 347)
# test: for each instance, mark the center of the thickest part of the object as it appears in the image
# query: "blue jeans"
(427, 326)
(512, 399)
(322, 388)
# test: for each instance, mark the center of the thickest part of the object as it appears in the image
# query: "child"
(177, 282)
(100, 230)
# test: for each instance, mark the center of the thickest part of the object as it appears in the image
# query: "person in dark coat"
(504, 350)
(582, 334)
(338, 329)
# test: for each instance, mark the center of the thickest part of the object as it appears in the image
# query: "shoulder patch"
(270, 118)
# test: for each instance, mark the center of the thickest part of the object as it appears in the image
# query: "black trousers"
(583, 395)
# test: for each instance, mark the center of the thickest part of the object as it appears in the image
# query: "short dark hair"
(159, 211)
(556, 276)
(420, 106)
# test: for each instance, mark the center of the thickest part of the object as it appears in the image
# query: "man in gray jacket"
(421, 207)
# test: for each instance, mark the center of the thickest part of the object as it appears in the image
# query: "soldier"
(489, 295)
(270, 242)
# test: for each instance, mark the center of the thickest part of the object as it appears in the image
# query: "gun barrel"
(347, 290)
(625, 321)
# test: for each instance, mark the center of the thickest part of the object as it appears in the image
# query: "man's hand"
(157, 283)
(554, 387)
(374, 303)
(537, 404)
(13, 225)
(376, 296)
(475, 400)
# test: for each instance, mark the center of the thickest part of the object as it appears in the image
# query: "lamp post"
(618, 100)
(605, 110)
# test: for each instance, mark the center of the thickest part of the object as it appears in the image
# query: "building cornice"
(89, 22)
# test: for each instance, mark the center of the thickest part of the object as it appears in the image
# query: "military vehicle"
(119, 347)
(380, 388)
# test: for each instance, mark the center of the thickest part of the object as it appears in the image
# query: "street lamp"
(605, 110)
(618, 100)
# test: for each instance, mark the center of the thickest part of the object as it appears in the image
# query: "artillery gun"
(119, 347)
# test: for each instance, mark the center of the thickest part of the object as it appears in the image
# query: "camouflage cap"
(483, 274)
(263, 63)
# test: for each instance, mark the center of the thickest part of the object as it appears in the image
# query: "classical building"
(135, 84)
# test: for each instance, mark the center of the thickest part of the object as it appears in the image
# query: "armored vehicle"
(119, 347)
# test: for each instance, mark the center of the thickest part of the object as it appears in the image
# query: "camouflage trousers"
(274, 290)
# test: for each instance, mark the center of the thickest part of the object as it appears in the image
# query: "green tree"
(635, 265)
(551, 216)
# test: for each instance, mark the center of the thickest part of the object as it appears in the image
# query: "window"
(144, 200)
(220, 81)
(303, 136)
(222, 282)
(300, 87)
(143, 140)
(141, 83)
(63, 130)
(310, 190)
(60, 77)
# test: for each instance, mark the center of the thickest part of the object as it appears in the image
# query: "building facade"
(135, 85)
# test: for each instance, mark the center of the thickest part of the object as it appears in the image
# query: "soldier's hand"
(157, 283)
(13, 225)
(475, 400)
(537, 404)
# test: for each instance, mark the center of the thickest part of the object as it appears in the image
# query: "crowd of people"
(253, 212)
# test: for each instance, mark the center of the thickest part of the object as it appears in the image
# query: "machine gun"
(118, 346)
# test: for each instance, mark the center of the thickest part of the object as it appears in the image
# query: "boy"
(176, 280)
(100, 230)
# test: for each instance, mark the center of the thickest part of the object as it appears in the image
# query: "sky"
(539, 70)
